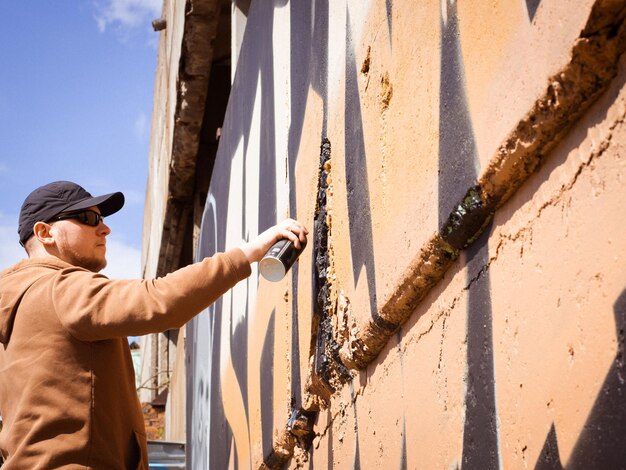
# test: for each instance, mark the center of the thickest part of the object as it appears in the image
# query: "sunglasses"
(87, 217)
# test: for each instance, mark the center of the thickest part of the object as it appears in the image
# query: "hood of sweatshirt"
(15, 281)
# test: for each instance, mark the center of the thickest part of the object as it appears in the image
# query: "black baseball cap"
(47, 201)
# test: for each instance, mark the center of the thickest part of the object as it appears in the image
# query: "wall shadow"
(389, 11)
(357, 182)
(267, 386)
(480, 432)
(309, 68)
(601, 442)
(458, 170)
(531, 6)
(204, 400)
(356, 462)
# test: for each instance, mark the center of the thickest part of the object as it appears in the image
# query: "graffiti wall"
(461, 303)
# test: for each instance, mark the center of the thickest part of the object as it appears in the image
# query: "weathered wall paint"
(153, 366)
(513, 358)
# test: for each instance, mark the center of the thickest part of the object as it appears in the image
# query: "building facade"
(461, 169)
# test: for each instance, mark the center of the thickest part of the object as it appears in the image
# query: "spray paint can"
(279, 258)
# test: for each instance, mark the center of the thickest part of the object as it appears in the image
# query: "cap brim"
(108, 204)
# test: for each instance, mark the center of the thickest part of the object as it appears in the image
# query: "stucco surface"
(369, 122)
(388, 144)
(556, 276)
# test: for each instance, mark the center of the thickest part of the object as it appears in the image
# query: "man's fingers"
(293, 236)
(294, 231)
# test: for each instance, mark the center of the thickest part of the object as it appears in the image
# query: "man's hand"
(288, 228)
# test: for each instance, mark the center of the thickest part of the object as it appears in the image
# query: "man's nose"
(103, 228)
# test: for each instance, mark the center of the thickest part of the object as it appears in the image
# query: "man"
(67, 387)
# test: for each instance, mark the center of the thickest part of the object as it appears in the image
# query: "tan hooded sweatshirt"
(67, 386)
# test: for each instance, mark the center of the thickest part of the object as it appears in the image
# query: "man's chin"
(94, 265)
(91, 263)
(102, 265)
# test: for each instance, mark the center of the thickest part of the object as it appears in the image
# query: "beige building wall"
(155, 367)
(462, 299)
(546, 382)
(193, 69)
(181, 82)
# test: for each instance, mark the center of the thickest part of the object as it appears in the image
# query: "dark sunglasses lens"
(89, 218)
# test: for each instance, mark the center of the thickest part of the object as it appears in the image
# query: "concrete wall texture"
(462, 300)
(153, 371)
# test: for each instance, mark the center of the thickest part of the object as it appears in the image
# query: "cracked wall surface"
(463, 300)
(557, 308)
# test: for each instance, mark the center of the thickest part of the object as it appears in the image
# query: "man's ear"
(42, 232)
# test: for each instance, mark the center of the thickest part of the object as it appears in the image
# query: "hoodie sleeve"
(92, 307)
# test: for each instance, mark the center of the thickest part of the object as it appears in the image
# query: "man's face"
(80, 244)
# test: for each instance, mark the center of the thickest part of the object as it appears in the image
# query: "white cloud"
(127, 13)
(123, 261)
(10, 249)
(134, 197)
(141, 126)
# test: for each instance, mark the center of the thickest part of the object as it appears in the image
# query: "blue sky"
(76, 88)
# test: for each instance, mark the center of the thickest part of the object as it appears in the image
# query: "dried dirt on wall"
(570, 92)
(555, 269)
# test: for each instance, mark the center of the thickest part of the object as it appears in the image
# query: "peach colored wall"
(511, 355)
(545, 293)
